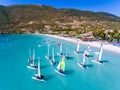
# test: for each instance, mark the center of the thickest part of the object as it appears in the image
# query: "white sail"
(78, 46)
(58, 66)
(33, 56)
(83, 62)
(39, 74)
(53, 54)
(100, 53)
(88, 48)
(48, 49)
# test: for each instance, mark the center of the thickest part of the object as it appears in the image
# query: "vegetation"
(47, 19)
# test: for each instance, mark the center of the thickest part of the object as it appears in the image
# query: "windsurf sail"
(39, 74)
(33, 57)
(78, 46)
(83, 61)
(100, 53)
(53, 54)
(86, 52)
(48, 49)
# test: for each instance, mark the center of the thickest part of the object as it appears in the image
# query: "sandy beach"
(107, 46)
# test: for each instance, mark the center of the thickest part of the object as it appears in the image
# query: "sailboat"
(61, 67)
(32, 66)
(82, 65)
(60, 52)
(38, 76)
(77, 49)
(48, 55)
(98, 60)
(30, 59)
(52, 62)
(88, 50)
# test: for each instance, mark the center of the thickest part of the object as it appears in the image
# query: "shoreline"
(96, 44)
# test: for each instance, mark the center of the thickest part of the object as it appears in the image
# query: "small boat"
(77, 49)
(53, 62)
(38, 76)
(48, 55)
(88, 50)
(32, 66)
(98, 60)
(60, 52)
(82, 65)
(61, 67)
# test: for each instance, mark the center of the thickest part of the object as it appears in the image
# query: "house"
(87, 38)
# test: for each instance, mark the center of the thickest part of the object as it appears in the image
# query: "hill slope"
(22, 18)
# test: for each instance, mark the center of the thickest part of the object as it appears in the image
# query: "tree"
(117, 36)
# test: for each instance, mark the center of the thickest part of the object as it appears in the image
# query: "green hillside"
(28, 18)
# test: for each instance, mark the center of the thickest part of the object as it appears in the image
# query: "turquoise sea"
(14, 74)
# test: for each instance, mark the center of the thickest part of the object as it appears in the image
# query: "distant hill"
(4, 18)
(19, 18)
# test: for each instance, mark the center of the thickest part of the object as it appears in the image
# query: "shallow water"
(14, 74)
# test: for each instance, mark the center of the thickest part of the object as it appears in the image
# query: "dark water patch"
(67, 72)
(89, 65)
(90, 56)
(104, 61)
(43, 66)
(70, 58)
(81, 52)
(48, 77)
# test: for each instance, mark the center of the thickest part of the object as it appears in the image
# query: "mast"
(39, 74)
(78, 46)
(33, 56)
(100, 53)
(53, 54)
(83, 62)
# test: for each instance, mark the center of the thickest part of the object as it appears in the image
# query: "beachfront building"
(87, 36)
(47, 27)
(87, 39)
(109, 31)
